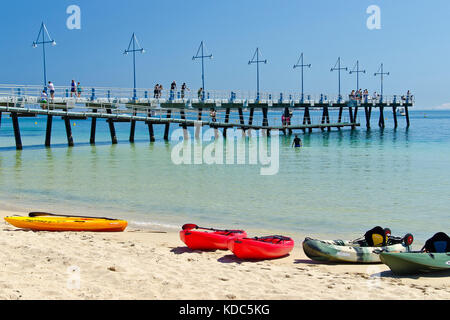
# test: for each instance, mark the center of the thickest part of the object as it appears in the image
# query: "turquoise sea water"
(339, 185)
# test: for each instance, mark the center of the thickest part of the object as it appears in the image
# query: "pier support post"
(167, 128)
(48, 131)
(151, 133)
(200, 114)
(0, 119)
(307, 118)
(112, 129)
(227, 119)
(93, 127)
(394, 114)
(185, 131)
(15, 122)
(381, 120)
(325, 118)
(133, 128)
(350, 113)
(355, 117)
(368, 111)
(265, 118)
(341, 110)
(407, 116)
(68, 131)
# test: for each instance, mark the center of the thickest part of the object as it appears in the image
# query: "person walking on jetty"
(200, 93)
(160, 89)
(297, 143)
(173, 87)
(183, 89)
(73, 88)
(79, 89)
(51, 87)
(155, 91)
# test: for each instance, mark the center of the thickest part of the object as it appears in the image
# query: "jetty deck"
(186, 110)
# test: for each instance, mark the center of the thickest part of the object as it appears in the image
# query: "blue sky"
(412, 43)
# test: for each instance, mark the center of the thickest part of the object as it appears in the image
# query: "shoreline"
(156, 265)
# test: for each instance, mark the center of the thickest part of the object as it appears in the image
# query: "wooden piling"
(407, 117)
(200, 114)
(381, 120)
(93, 127)
(68, 131)
(265, 117)
(151, 133)
(394, 114)
(167, 128)
(368, 111)
(133, 128)
(15, 122)
(112, 129)
(48, 131)
(307, 118)
(227, 119)
(355, 115)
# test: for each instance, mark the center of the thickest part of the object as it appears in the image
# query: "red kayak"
(212, 239)
(261, 248)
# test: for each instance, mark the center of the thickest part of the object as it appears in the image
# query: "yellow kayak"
(68, 224)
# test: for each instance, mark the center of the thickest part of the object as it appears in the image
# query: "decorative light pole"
(357, 71)
(382, 74)
(257, 61)
(42, 33)
(337, 67)
(201, 55)
(300, 64)
(134, 47)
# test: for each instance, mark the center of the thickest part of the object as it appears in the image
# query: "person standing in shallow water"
(297, 143)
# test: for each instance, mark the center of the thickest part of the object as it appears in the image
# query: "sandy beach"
(154, 264)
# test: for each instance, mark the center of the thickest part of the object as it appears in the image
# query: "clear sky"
(413, 43)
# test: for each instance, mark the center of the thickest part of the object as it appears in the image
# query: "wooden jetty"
(24, 101)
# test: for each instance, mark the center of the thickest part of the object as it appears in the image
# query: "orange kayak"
(67, 224)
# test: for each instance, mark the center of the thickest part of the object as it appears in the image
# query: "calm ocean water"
(339, 185)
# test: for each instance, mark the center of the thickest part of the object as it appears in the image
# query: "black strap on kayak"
(279, 238)
(46, 214)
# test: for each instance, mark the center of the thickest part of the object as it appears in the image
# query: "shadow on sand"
(183, 250)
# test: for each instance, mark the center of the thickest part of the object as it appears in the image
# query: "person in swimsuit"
(297, 142)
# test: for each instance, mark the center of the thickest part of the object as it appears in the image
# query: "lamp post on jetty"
(300, 64)
(43, 32)
(357, 71)
(257, 61)
(134, 47)
(381, 73)
(201, 55)
(337, 67)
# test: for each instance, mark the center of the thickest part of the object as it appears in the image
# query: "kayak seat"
(439, 243)
(376, 237)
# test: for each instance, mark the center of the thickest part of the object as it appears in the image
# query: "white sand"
(143, 264)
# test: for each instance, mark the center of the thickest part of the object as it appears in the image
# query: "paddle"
(190, 226)
(46, 214)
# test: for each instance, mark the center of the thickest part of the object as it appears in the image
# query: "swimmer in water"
(297, 142)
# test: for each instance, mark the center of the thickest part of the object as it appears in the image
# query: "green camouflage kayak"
(347, 251)
(416, 262)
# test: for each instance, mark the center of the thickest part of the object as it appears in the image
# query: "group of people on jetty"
(75, 91)
(157, 91)
(359, 95)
